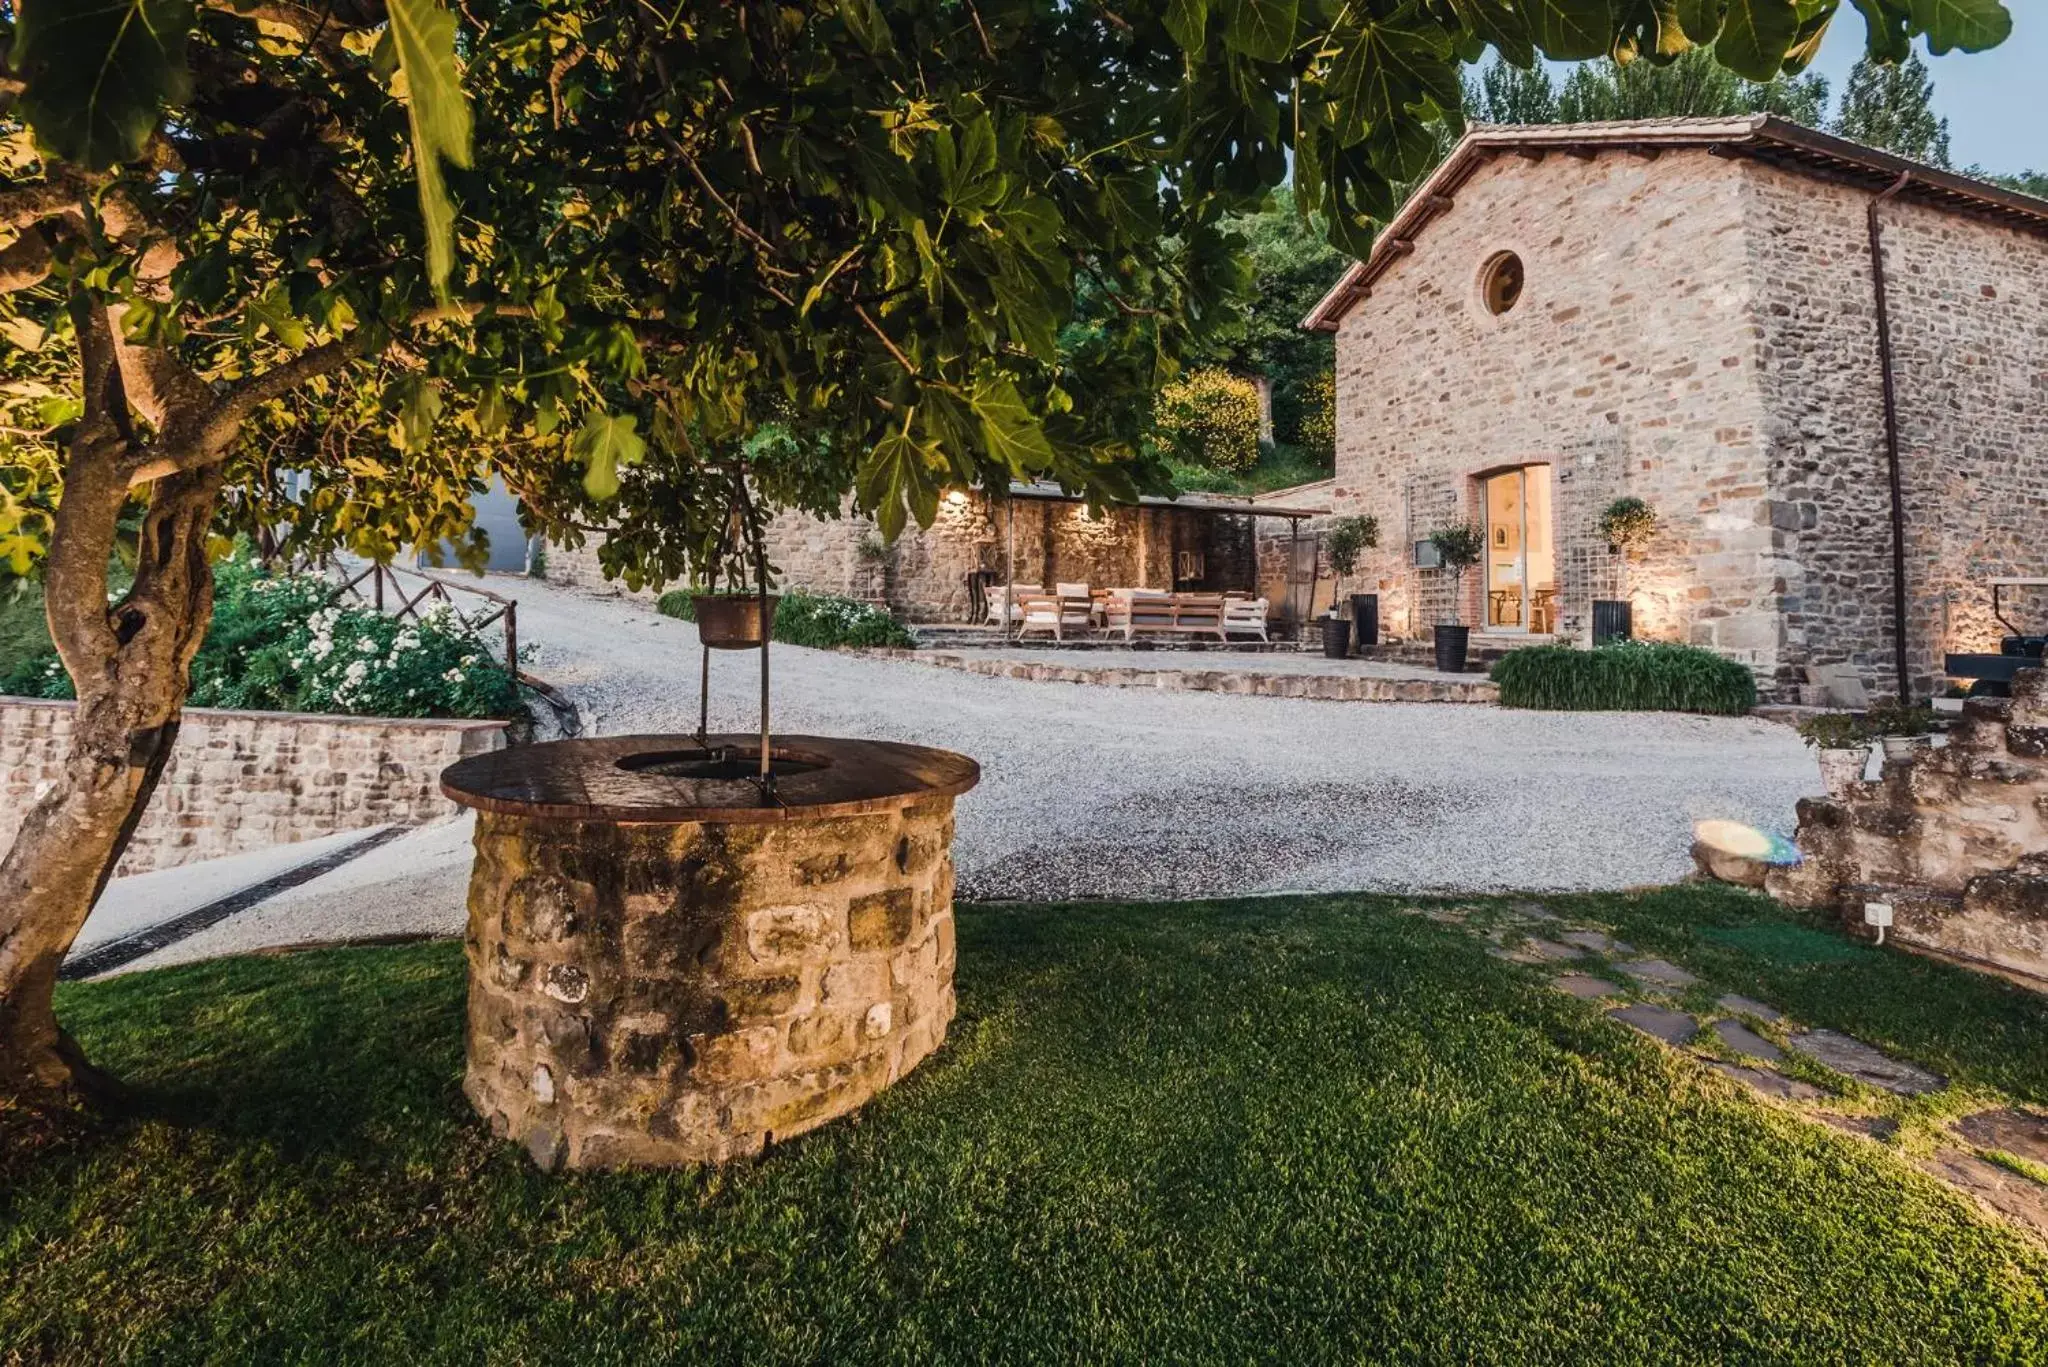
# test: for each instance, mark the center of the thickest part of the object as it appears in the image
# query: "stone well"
(667, 968)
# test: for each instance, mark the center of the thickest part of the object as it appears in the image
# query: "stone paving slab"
(1584, 986)
(2002, 1189)
(1534, 911)
(1748, 1042)
(1658, 1022)
(1866, 1064)
(1877, 1127)
(1740, 1005)
(1658, 972)
(1534, 951)
(1596, 940)
(1766, 1082)
(2022, 1134)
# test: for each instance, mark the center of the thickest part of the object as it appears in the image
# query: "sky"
(1996, 102)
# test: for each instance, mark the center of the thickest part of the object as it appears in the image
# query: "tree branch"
(25, 261)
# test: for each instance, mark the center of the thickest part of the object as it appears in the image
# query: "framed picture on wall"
(1500, 537)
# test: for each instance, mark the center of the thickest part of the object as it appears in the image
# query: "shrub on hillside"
(1316, 425)
(1211, 418)
(1627, 676)
(824, 620)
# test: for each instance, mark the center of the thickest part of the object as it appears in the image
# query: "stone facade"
(653, 994)
(923, 575)
(1955, 839)
(1698, 330)
(244, 780)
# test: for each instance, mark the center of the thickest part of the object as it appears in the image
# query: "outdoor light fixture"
(957, 497)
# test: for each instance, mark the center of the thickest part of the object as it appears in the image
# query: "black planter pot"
(1451, 643)
(1336, 637)
(1613, 620)
(1365, 619)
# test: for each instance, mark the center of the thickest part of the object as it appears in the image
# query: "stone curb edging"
(1243, 683)
(126, 950)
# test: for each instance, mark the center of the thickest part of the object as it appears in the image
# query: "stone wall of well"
(1629, 365)
(1954, 839)
(1970, 365)
(655, 994)
(241, 781)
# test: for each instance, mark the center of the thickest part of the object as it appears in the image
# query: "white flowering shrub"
(826, 619)
(276, 644)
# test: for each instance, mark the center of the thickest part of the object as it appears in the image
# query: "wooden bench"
(1166, 614)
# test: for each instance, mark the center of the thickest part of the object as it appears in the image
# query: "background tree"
(861, 224)
(1693, 85)
(1289, 265)
(1892, 106)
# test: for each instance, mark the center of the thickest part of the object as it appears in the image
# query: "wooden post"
(1009, 559)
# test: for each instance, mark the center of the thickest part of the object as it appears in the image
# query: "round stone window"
(1500, 284)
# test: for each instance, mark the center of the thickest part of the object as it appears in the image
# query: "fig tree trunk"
(130, 661)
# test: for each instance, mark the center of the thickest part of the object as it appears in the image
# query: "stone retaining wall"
(1247, 682)
(1954, 839)
(244, 780)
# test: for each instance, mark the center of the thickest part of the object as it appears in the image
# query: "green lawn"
(1293, 1130)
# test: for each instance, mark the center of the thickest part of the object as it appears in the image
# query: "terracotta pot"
(1839, 769)
(732, 621)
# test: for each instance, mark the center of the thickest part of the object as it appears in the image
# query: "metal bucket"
(728, 621)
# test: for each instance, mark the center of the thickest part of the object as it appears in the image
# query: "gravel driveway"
(1105, 792)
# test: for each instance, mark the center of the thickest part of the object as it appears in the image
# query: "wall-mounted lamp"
(957, 497)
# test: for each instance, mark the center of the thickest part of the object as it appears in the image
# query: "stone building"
(1196, 543)
(1686, 311)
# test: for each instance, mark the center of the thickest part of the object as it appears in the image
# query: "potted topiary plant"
(1458, 549)
(1348, 538)
(1628, 523)
(1842, 743)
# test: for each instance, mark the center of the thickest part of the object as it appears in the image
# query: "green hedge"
(824, 620)
(1632, 676)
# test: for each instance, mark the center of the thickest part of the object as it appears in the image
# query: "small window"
(1501, 284)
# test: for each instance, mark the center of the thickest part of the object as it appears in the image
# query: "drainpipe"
(1891, 435)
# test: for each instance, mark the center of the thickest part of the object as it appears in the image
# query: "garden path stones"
(1736, 1004)
(1877, 1127)
(1658, 1022)
(1534, 911)
(1747, 1042)
(1596, 940)
(1866, 1064)
(2005, 1191)
(1658, 973)
(1584, 986)
(1766, 1082)
(2019, 1133)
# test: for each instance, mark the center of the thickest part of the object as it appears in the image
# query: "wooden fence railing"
(386, 593)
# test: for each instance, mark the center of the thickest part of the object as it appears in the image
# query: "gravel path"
(1095, 792)
(1112, 792)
